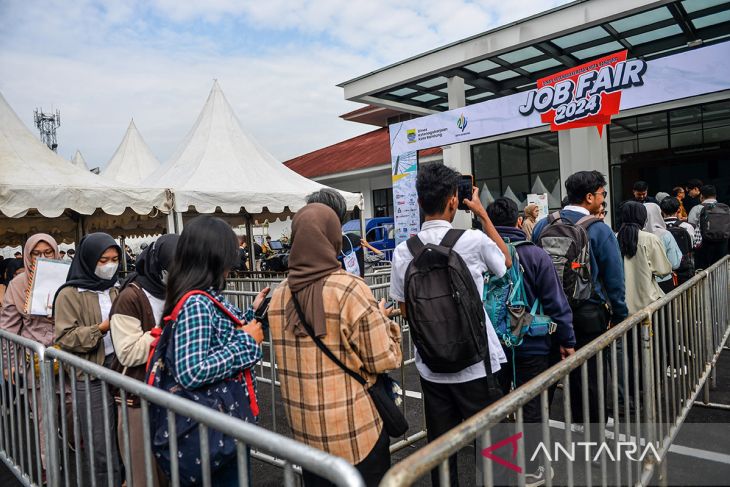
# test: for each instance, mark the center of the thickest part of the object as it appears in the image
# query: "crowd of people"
(168, 323)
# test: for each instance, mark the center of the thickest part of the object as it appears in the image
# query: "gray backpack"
(568, 245)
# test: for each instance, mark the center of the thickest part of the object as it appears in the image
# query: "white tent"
(79, 161)
(218, 165)
(41, 192)
(133, 160)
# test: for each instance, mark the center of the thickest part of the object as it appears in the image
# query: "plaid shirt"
(326, 408)
(208, 347)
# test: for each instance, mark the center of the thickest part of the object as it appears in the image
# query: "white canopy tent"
(218, 165)
(41, 192)
(79, 161)
(133, 160)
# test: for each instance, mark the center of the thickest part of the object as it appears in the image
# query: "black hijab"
(633, 219)
(11, 267)
(81, 273)
(151, 262)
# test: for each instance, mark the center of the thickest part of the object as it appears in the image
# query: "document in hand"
(45, 280)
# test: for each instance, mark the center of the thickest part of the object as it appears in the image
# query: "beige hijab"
(18, 288)
(316, 243)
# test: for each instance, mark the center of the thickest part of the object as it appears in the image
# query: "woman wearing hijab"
(38, 328)
(528, 223)
(138, 310)
(655, 224)
(644, 257)
(340, 309)
(81, 312)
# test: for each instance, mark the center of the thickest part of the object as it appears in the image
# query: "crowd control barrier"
(33, 375)
(675, 341)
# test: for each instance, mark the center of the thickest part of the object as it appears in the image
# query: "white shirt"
(480, 254)
(158, 306)
(105, 305)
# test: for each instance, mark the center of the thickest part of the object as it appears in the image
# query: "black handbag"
(382, 392)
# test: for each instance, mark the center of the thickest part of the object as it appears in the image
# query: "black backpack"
(568, 246)
(684, 241)
(444, 308)
(715, 222)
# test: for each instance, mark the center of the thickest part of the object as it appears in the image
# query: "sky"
(102, 63)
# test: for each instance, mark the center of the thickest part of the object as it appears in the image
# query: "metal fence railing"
(27, 387)
(650, 370)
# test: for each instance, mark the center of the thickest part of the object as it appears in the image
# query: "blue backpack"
(505, 301)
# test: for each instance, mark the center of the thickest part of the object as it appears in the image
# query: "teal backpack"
(505, 301)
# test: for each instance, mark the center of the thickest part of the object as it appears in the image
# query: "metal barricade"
(648, 370)
(64, 467)
(21, 402)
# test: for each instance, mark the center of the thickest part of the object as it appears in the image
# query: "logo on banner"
(411, 135)
(462, 122)
(586, 95)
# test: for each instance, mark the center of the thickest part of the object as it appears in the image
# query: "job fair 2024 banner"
(586, 95)
(582, 96)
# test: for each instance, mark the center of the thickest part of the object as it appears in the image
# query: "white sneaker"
(537, 478)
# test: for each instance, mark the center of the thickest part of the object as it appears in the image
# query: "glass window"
(514, 168)
(713, 19)
(382, 202)
(540, 65)
(652, 125)
(486, 161)
(481, 66)
(425, 97)
(403, 92)
(598, 50)
(544, 152)
(503, 75)
(695, 5)
(513, 156)
(433, 82)
(685, 126)
(654, 35)
(642, 19)
(581, 37)
(521, 55)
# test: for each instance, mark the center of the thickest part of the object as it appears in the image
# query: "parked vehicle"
(379, 232)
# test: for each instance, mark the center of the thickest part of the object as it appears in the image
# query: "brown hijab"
(17, 292)
(316, 242)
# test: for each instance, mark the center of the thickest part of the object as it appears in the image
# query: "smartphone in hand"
(466, 187)
(262, 313)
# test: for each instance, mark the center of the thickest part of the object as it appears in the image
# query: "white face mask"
(106, 271)
(163, 277)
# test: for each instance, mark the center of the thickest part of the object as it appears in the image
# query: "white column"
(458, 156)
(367, 197)
(582, 150)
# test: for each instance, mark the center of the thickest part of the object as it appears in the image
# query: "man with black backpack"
(437, 277)
(711, 220)
(586, 255)
(528, 349)
(683, 234)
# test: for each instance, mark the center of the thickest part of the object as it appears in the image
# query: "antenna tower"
(47, 124)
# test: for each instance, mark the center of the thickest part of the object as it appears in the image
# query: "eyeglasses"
(45, 253)
(604, 193)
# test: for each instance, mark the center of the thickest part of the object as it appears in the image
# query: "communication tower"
(47, 124)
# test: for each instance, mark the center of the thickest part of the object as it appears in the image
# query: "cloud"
(102, 63)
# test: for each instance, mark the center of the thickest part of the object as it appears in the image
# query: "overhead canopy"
(220, 165)
(133, 160)
(511, 58)
(79, 161)
(41, 191)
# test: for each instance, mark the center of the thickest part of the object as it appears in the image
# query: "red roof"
(364, 151)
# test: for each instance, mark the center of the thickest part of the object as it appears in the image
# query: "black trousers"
(447, 405)
(590, 321)
(709, 253)
(372, 467)
(526, 368)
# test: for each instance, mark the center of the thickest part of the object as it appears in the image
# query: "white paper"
(48, 276)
